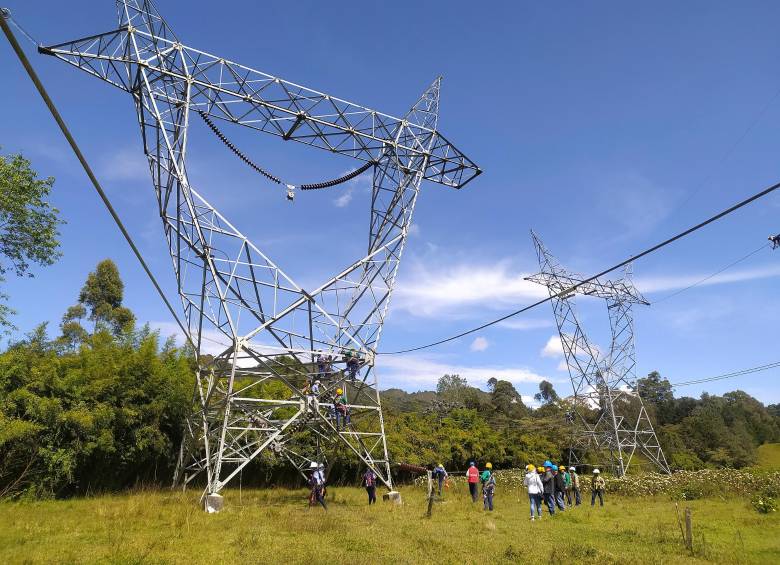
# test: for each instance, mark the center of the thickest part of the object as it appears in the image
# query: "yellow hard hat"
(530, 467)
(339, 391)
(488, 465)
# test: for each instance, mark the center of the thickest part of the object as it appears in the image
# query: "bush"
(765, 501)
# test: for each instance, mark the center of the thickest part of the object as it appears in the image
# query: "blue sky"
(604, 126)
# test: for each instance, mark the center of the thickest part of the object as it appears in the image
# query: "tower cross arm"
(247, 97)
(620, 289)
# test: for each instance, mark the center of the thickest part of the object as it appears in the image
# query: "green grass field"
(264, 526)
(769, 456)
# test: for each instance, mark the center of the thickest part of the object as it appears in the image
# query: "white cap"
(313, 465)
(596, 471)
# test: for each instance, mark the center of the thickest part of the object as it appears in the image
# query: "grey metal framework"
(250, 400)
(604, 384)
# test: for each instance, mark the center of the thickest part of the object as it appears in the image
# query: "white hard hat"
(572, 469)
(313, 465)
(317, 382)
(596, 471)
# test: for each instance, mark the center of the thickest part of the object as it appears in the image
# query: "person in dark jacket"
(369, 480)
(548, 484)
(560, 487)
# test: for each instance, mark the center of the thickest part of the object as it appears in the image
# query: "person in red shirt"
(473, 477)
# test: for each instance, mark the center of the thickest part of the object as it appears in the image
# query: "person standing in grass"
(560, 487)
(535, 488)
(441, 475)
(317, 484)
(567, 484)
(369, 481)
(488, 486)
(575, 483)
(597, 487)
(472, 475)
(548, 482)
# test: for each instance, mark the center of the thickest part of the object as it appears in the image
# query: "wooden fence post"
(688, 530)
(430, 494)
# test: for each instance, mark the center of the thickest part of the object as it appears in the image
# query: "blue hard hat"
(547, 463)
(555, 467)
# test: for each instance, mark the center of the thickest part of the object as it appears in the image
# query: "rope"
(85, 165)
(716, 273)
(6, 14)
(574, 287)
(273, 178)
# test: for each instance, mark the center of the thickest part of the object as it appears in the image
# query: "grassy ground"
(769, 456)
(266, 526)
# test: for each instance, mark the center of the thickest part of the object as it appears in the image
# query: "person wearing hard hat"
(566, 483)
(575, 485)
(535, 489)
(441, 475)
(317, 484)
(472, 476)
(597, 486)
(548, 483)
(560, 487)
(488, 486)
(341, 408)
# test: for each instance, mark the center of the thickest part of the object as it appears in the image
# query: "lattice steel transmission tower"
(608, 415)
(250, 400)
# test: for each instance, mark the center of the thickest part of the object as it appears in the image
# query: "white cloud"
(676, 282)
(479, 344)
(553, 347)
(421, 372)
(414, 229)
(127, 164)
(434, 291)
(344, 199)
(562, 366)
(521, 324)
(362, 182)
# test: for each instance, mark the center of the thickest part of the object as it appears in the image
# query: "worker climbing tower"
(259, 397)
(608, 414)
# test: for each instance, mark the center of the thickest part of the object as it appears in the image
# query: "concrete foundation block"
(393, 496)
(214, 503)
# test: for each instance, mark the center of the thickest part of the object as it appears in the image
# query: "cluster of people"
(314, 392)
(555, 486)
(318, 488)
(487, 480)
(351, 358)
(548, 485)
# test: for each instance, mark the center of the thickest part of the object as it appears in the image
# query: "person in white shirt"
(535, 489)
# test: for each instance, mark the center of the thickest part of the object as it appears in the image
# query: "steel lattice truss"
(604, 383)
(249, 399)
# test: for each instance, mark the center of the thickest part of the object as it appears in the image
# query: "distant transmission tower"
(608, 415)
(254, 399)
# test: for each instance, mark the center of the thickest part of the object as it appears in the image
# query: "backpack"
(369, 478)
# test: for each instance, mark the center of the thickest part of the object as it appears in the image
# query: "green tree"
(546, 394)
(102, 294)
(28, 223)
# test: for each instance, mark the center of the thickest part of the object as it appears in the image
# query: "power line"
(574, 287)
(4, 16)
(732, 375)
(716, 273)
(729, 152)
